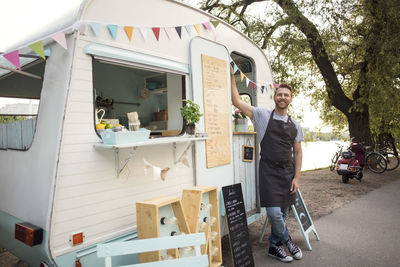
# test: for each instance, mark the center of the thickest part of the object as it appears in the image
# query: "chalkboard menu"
(237, 225)
(302, 212)
(248, 152)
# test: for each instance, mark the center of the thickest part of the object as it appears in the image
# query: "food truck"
(60, 183)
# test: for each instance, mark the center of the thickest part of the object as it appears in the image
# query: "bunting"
(215, 23)
(197, 27)
(206, 26)
(156, 31)
(38, 48)
(112, 29)
(95, 27)
(129, 32)
(13, 58)
(179, 31)
(188, 29)
(60, 39)
(143, 31)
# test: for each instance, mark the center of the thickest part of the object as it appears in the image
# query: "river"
(318, 154)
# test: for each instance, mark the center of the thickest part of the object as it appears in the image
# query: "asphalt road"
(366, 232)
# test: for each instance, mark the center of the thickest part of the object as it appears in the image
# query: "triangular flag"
(113, 30)
(166, 30)
(235, 68)
(38, 48)
(241, 76)
(179, 31)
(215, 23)
(197, 27)
(276, 85)
(95, 27)
(129, 31)
(60, 39)
(188, 29)
(143, 30)
(247, 82)
(262, 89)
(13, 57)
(156, 31)
(206, 25)
(252, 86)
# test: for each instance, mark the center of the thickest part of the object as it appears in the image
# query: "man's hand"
(295, 186)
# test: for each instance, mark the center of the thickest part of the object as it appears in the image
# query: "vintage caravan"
(122, 56)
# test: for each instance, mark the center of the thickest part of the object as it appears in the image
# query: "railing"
(17, 134)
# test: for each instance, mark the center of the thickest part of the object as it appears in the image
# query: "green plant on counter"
(191, 112)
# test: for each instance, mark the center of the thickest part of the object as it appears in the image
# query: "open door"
(211, 89)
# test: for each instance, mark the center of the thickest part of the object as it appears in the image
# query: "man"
(280, 164)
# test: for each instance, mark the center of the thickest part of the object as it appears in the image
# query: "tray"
(127, 137)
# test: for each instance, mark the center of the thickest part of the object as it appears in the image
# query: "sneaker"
(279, 253)
(293, 249)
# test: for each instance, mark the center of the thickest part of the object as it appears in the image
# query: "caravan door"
(211, 89)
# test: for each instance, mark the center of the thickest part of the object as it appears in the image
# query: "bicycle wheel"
(392, 161)
(376, 162)
(334, 160)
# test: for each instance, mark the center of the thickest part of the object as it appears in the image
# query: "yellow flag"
(241, 76)
(197, 27)
(129, 31)
(38, 48)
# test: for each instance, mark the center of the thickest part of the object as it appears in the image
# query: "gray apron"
(276, 164)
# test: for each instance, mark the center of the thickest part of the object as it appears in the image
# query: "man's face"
(282, 98)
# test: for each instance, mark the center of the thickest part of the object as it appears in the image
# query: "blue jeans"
(279, 232)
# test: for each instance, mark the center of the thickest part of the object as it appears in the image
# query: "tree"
(351, 47)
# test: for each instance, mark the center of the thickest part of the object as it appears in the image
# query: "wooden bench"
(109, 250)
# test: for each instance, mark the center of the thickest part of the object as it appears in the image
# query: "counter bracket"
(119, 169)
(177, 159)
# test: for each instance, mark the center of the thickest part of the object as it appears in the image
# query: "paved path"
(366, 232)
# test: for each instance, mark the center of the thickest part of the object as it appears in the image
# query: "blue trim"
(136, 57)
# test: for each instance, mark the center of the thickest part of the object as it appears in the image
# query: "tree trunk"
(359, 126)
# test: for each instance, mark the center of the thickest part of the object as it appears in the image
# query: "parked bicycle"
(391, 157)
(336, 157)
(371, 159)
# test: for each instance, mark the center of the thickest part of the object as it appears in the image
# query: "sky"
(21, 18)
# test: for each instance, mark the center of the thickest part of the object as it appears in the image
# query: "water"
(318, 154)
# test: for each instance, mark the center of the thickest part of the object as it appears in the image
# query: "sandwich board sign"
(239, 240)
(303, 218)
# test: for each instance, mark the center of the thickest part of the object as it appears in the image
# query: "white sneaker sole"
(287, 259)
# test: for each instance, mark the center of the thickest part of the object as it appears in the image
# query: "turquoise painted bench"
(109, 250)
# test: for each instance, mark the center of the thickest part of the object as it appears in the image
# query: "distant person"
(280, 165)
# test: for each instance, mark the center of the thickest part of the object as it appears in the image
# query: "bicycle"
(336, 157)
(373, 160)
(392, 158)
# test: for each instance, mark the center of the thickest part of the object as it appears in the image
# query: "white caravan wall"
(89, 197)
(27, 177)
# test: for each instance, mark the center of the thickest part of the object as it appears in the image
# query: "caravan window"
(156, 95)
(19, 102)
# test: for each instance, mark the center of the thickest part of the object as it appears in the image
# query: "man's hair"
(284, 85)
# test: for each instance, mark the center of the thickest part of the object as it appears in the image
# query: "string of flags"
(95, 27)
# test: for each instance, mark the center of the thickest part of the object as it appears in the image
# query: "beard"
(281, 104)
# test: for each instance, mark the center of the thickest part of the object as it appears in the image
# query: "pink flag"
(60, 39)
(206, 25)
(13, 57)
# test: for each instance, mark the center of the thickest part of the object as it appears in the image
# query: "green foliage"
(191, 112)
(5, 119)
(362, 44)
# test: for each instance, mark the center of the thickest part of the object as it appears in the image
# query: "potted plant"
(191, 114)
(241, 124)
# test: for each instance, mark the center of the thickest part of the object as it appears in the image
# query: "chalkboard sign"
(303, 218)
(302, 212)
(237, 225)
(247, 153)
